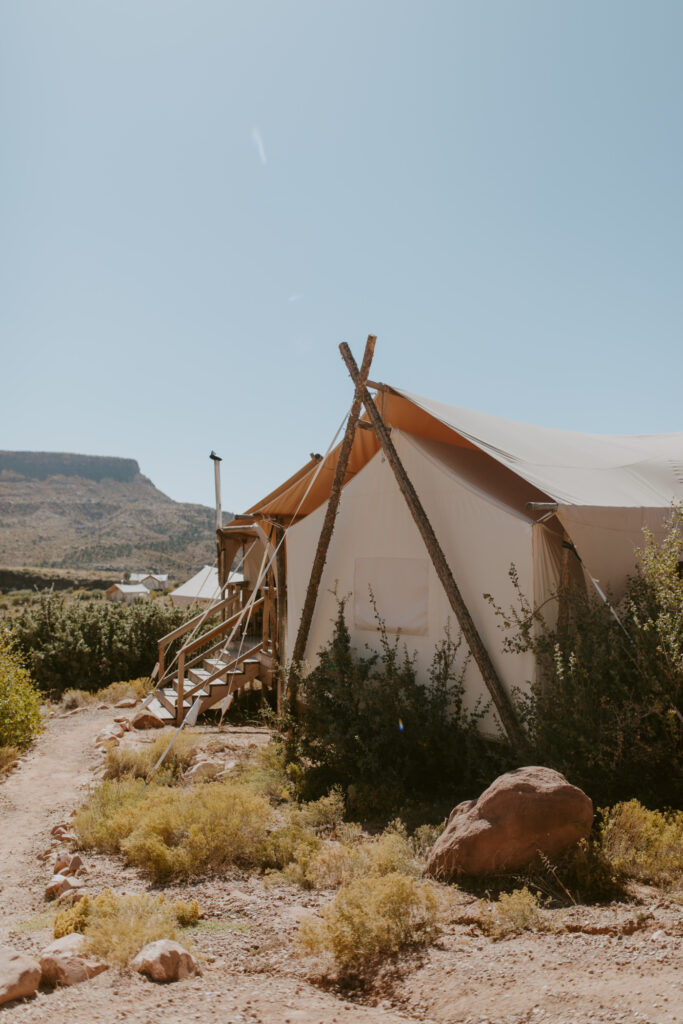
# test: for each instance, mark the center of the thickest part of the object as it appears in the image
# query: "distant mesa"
(41, 465)
(62, 511)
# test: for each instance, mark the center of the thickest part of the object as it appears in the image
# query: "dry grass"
(184, 833)
(109, 814)
(8, 755)
(84, 915)
(176, 833)
(266, 773)
(120, 926)
(513, 912)
(314, 864)
(111, 694)
(369, 919)
(645, 845)
(137, 761)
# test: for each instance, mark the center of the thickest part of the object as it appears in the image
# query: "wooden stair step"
(157, 708)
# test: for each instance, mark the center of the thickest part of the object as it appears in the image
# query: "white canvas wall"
(480, 538)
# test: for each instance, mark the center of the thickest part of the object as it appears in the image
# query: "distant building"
(126, 592)
(151, 580)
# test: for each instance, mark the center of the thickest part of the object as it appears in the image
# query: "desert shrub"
(187, 912)
(20, 719)
(313, 864)
(176, 833)
(119, 927)
(644, 845)
(268, 773)
(605, 709)
(8, 755)
(424, 837)
(512, 913)
(369, 725)
(137, 761)
(87, 910)
(584, 874)
(369, 919)
(184, 833)
(137, 688)
(109, 814)
(85, 645)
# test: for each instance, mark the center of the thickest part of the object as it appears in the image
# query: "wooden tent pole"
(330, 517)
(500, 698)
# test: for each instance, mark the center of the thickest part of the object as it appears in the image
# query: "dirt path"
(41, 792)
(603, 973)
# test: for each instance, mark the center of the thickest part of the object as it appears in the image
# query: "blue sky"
(200, 200)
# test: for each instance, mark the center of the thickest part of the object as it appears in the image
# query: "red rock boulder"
(523, 813)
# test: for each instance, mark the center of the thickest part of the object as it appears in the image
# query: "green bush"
(606, 707)
(20, 719)
(369, 725)
(87, 645)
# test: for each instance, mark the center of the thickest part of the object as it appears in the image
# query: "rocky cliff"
(67, 511)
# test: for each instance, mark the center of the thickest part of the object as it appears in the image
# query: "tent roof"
(638, 471)
(204, 585)
(626, 471)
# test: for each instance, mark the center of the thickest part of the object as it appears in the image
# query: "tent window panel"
(400, 587)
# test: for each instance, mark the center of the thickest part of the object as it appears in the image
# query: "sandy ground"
(614, 964)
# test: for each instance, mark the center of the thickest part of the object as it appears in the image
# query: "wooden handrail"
(222, 627)
(196, 620)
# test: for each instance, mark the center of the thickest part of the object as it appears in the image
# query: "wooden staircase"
(211, 667)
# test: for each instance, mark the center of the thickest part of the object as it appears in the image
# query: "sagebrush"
(644, 845)
(117, 927)
(369, 919)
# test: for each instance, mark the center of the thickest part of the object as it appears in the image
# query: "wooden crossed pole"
(502, 702)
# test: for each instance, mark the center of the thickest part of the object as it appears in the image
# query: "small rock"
(229, 765)
(165, 960)
(146, 720)
(59, 884)
(123, 722)
(62, 861)
(19, 975)
(203, 770)
(70, 896)
(103, 707)
(58, 829)
(107, 741)
(76, 862)
(127, 702)
(65, 963)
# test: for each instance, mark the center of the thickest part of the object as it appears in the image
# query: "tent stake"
(328, 523)
(500, 698)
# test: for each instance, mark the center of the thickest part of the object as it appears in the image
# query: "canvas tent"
(202, 589)
(475, 476)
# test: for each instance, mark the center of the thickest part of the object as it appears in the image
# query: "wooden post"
(563, 596)
(328, 523)
(280, 650)
(500, 698)
(180, 709)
